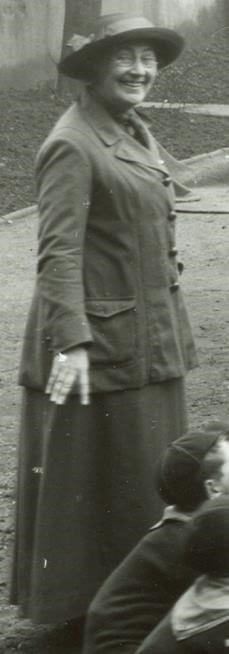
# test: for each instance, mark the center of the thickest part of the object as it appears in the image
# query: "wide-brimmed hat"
(117, 29)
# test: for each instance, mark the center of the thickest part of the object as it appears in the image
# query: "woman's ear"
(213, 488)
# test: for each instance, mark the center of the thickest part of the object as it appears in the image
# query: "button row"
(173, 253)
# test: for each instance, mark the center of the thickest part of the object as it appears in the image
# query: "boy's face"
(223, 477)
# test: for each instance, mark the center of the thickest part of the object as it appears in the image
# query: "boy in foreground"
(144, 587)
(199, 621)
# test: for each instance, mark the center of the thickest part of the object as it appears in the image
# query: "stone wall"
(33, 32)
(169, 12)
(30, 41)
(188, 16)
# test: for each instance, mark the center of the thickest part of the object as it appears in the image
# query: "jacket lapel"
(124, 146)
(132, 151)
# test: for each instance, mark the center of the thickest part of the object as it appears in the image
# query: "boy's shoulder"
(172, 515)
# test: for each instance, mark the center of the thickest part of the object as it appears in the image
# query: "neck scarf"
(204, 605)
(135, 127)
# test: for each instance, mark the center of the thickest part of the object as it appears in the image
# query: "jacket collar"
(112, 133)
(171, 514)
(108, 129)
(203, 606)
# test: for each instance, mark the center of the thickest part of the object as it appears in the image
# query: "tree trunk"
(80, 16)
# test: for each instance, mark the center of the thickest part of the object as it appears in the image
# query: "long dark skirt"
(86, 491)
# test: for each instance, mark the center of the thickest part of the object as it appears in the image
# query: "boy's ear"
(213, 488)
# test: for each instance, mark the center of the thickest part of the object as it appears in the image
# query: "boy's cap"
(178, 470)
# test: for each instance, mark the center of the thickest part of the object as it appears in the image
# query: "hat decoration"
(78, 41)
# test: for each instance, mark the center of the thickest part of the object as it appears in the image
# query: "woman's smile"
(127, 76)
(134, 85)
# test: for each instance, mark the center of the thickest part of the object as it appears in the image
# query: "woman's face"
(126, 76)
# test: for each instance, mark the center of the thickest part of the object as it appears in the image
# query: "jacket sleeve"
(63, 176)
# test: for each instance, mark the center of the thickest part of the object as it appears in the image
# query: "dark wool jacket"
(162, 641)
(138, 594)
(107, 271)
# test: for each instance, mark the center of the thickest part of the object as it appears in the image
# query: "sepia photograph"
(114, 380)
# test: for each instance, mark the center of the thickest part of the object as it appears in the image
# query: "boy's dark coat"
(139, 593)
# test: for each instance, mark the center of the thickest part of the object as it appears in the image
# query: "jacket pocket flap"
(107, 308)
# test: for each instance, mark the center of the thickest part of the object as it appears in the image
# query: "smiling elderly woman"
(107, 341)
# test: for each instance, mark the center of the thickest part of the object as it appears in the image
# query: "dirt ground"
(203, 245)
(27, 117)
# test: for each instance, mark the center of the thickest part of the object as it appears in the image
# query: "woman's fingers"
(84, 389)
(68, 369)
(62, 387)
(57, 371)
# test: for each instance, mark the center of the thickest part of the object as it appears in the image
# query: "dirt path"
(208, 109)
(203, 246)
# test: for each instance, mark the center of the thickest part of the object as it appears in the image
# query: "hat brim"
(167, 45)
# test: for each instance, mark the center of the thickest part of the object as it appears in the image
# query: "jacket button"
(173, 252)
(174, 287)
(167, 180)
(172, 215)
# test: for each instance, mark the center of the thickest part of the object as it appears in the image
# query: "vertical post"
(226, 13)
(122, 6)
(80, 16)
(149, 8)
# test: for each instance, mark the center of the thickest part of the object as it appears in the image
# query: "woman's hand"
(68, 368)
